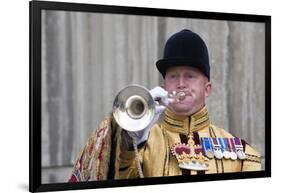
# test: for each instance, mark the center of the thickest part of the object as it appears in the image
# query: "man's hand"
(161, 96)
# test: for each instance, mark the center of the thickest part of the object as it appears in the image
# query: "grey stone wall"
(87, 58)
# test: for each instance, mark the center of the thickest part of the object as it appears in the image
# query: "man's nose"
(181, 83)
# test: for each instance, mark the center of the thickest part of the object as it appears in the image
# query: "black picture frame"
(36, 8)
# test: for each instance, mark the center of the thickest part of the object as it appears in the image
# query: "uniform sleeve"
(252, 161)
(93, 160)
(80, 172)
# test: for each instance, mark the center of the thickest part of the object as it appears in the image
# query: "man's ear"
(208, 89)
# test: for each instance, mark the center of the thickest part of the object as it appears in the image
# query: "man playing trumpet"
(180, 140)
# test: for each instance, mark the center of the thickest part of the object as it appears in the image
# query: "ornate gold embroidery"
(190, 155)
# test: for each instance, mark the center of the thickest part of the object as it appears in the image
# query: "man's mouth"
(179, 95)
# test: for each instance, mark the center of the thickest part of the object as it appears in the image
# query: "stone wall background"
(88, 57)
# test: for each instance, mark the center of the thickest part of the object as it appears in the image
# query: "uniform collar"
(185, 125)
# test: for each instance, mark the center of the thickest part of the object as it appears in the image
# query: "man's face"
(193, 82)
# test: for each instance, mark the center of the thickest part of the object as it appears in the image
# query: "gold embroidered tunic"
(103, 156)
(157, 160)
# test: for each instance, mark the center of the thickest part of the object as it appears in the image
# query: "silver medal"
(218, 154)
(226, 154)
(233, 155)
(241, 155)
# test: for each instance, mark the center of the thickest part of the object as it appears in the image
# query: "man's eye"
(173, 76)
(190, 76)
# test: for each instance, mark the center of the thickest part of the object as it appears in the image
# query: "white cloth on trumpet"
(161, 95)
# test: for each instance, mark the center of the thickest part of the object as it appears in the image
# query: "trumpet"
(134, 106)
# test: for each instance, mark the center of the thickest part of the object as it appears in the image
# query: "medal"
(225, 153)
(233, 155)
(239, 148)
(218, 154)
(241, 155)
(207, 147)
(217, 148)
(210, 154)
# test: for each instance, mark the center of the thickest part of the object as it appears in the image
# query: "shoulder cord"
(214, 135)
(137, 158)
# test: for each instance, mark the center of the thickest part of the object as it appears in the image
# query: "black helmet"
(185, 48)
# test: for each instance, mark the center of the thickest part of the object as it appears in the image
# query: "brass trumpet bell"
(133, 108)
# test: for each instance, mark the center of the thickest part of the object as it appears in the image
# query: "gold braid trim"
(253, 158)
(173, 121)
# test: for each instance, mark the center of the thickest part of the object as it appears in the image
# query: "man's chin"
(184, 104)
(182, 109)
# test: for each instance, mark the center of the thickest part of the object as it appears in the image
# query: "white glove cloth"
(161, 95)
